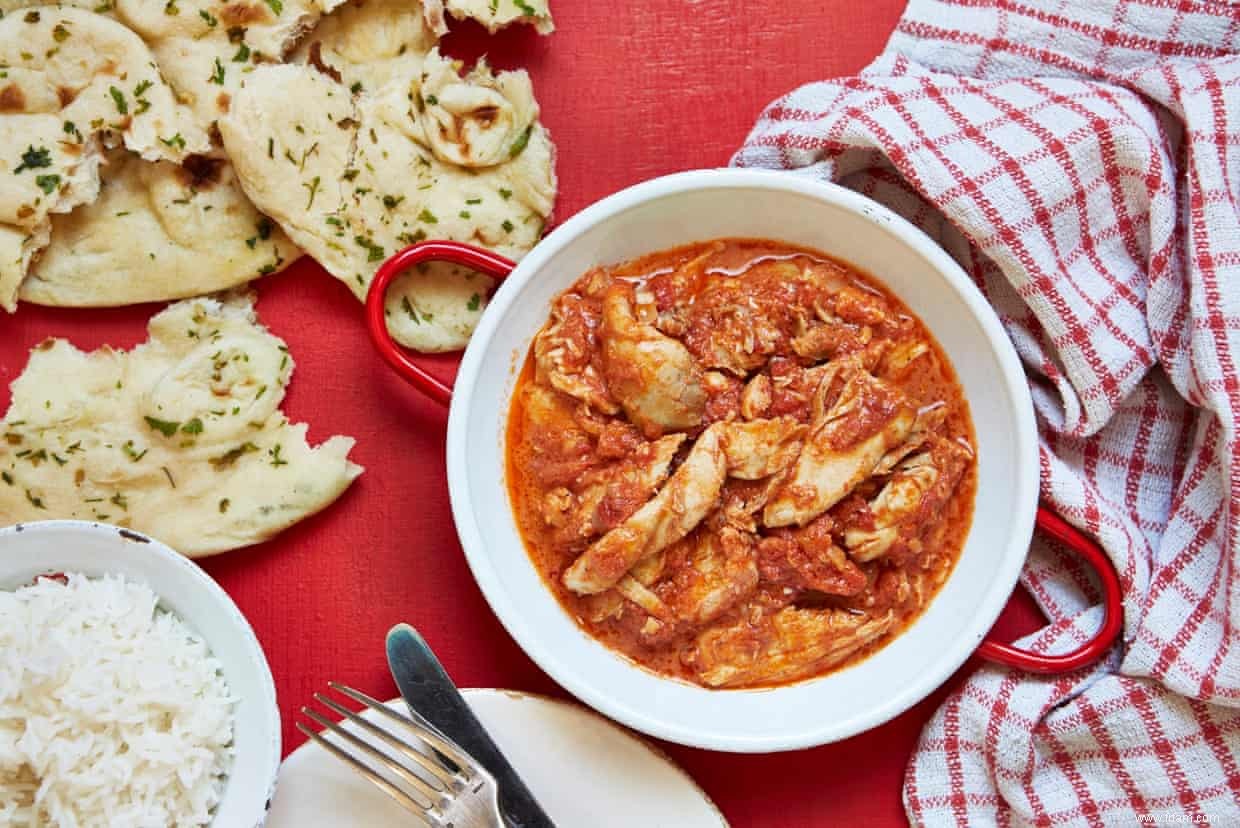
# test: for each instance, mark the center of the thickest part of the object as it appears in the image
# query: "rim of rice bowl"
(184, 589)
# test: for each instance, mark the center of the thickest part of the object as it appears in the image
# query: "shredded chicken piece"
(831, 339)
(844, 445)
(563, 353)
(685, 499)
(897, 362)
(741, 500)
(718, 570)
(650, 568)
(653, 376)
(756, 398)
(918, 488)
(760, 448)
(640, 594)
(929, 422)
(723, 397)
(611, 494)
(790, 644)
(860, 306)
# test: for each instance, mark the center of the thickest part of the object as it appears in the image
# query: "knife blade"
(430, 694)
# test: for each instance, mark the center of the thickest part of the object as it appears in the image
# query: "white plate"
(583, 769)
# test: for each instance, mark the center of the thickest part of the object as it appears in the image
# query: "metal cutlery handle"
(430, 694)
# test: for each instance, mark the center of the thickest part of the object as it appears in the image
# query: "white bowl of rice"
(132, 690)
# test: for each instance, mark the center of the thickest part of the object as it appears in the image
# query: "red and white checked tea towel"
(1081, 160)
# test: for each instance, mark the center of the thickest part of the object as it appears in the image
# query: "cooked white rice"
(112, 711)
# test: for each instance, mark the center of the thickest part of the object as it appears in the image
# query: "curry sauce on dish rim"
(739, 462)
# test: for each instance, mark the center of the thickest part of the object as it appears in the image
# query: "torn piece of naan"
(496, 14)
(181, 438)
(352, 178)
(205, 48)
(73, 82)
(366, 43)
(157, 231)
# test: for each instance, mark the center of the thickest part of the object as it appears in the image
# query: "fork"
(440, 783)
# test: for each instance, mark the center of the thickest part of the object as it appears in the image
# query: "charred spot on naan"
(316, 60)
(241, 13)
(12, 99)
(200, 172)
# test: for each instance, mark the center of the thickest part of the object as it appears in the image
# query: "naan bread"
(158, 231)
(353, 178)
(366, 43)
(495, 14)
(181, 438)
(104, 7)
(73, 82)
(205, 48)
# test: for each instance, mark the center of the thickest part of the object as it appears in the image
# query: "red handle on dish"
(467, 255)
(498, 267)
(1112, 603)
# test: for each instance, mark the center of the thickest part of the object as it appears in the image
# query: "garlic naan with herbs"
(181, 438)
(157, 231)
(355, 172)
(73, 83)
(496, 14)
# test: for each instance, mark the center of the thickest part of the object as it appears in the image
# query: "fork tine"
(433, 795)
(402, 798)
(448, 749)
(445, 777)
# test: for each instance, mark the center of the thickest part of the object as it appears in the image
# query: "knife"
(430, 694)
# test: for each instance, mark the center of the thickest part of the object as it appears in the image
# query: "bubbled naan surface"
(157, 231)
(354, 177)
(74, 82)
(181, 438)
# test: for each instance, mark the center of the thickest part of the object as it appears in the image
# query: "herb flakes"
(313, 188)
(33, 159)
(231, 456)
(164, 427)
(374, 252)
(518, 146)
(48, 183)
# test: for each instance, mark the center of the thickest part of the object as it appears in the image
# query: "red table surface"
(629, 91)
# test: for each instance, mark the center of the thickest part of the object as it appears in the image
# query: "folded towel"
(1081, 160)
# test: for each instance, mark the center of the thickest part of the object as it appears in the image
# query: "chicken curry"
(738, 462)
